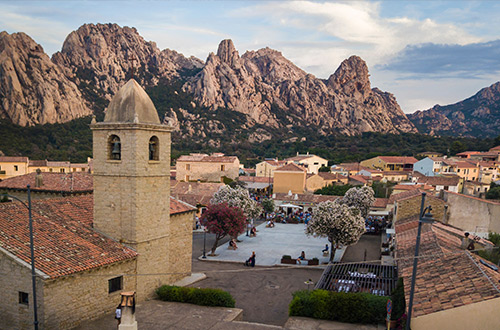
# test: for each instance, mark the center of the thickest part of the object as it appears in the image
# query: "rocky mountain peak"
(351, 76)
(105, 55)
(227, 52)
(33, 89)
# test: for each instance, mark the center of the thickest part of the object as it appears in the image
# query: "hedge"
(197, 296)
(362, 308)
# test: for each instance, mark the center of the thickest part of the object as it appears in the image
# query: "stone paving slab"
(304, 323)
(271, 244)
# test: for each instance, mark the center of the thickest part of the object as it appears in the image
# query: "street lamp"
(33, 275)
(424, 218)
(204, 241)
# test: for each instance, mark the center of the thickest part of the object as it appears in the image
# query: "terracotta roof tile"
(403, 195)
(178, 206)
(206, 158)
(65, 242)
(13, 159)
(398, 159)
(447, 276)
(440, 180)
(52, 182)
(276, 162)
(263, 179)
(290, 168)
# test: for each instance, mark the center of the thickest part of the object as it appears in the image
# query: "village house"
(347, 169)
(429, 166)
(257, 184)
(289, 178)
(213, 168)
(323, 179)
(475, 188)
(267, 167)
(429, 154)
(390, 163)
(13, 166)
(130, 235)
(449, 183)
(311, 163)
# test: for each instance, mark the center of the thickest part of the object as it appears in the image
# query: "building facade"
(207, 168)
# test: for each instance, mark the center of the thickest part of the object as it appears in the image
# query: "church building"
(129, 235)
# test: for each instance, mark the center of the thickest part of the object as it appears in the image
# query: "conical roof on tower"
(131, 105)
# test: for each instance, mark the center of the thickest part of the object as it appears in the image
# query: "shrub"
(398, 300)
(339, 306)
(197, 296)
(286, 256)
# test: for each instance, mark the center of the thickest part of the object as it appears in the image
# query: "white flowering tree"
(238, 197)
(341, 224)
(360, 198)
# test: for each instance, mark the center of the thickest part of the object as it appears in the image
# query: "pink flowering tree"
(221, 220)
(341, 224)
(359, 198)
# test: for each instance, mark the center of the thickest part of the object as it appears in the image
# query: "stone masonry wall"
(72, 299)
(472, 214)
(14, 315)
(206, 171)
(411, 206)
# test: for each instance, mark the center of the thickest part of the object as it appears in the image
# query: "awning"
(291, 206)
(378, 213)
(256, 185)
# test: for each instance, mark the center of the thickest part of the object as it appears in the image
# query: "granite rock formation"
(34, 90)
(477, 116)
(106, 55)
(272, 91)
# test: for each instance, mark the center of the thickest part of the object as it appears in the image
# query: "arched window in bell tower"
(114, 148)
(154, 148)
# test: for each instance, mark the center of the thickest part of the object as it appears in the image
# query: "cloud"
(357, 26)
(447, 60)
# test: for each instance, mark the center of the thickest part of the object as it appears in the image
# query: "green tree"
(325, 169)
(334, 190)
(268, 205)
(493, 192)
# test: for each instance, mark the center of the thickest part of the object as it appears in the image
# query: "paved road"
(264, 293)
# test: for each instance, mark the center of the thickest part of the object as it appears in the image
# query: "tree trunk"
(332, 252)
(214, 247)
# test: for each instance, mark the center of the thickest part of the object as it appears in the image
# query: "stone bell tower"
(132, 183)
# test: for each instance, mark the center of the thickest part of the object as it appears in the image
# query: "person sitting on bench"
(302, 257)
(325, 250)
(232, 244)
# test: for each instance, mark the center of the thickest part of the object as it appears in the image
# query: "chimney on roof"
(38, 178)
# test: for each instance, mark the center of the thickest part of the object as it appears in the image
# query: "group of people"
(297, 217)
(375, 225)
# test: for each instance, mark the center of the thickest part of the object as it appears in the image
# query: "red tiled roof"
(398, 159)
(41, 163)
(497, 148)
(52, 182)
(179, 206)
(290, 168)
(381, 202)
(447, 276)
(276, 162)
(65, 242)
(331, 176)
(465, 165)
(299, 157)
(466, 153)
(440, 180)
(13, 159)
(206, 158)
(263, 179)
(201, 188)
(358, 178)
(403, 195)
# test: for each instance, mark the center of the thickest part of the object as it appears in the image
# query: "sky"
(423, 52)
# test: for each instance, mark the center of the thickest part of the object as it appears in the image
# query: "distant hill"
(477, 116)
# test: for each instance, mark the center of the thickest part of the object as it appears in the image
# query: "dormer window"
(154, 147)
(114, 148)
